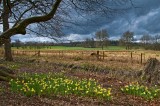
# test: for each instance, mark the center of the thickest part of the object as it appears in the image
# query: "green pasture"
(69, 48)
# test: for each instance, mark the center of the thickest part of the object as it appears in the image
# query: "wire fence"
(121, 56)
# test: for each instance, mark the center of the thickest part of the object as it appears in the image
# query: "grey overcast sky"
(142, 20)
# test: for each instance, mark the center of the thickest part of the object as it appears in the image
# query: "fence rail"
(121, 56)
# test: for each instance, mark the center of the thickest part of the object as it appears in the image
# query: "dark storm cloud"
(144, 19)
(145, 6)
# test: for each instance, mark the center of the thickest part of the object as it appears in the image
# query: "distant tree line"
(101, 40)
(150, 42)
(32, 45)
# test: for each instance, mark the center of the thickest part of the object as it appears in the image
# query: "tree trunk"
(102, 46)
(6, 74)
(7, 44)
(8, 52)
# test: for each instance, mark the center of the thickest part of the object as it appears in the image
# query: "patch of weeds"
(1, 89)
(13, 66)
(88, 66)
(77, 58)
(10, 65)
(142, 91)
(58, 84)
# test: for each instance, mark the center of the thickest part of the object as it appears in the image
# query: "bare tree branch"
(20, 28)
(19, 19)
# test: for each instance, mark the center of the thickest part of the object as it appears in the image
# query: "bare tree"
(127, 38)
(102, 37)
(17, 17)
(24, 13)
(157, 38)
(89, 42)
(18, 13)
(150, 42)
(146, 38)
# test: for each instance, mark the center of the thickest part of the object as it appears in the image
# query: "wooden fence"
(121, 56)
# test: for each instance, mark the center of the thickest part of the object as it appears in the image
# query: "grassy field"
(82, 48)
(77, 48)
(77, 53)
(71, 75)
(81, 82)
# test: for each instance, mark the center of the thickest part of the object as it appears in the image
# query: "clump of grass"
(55, 84)
(88, 66)
(77, 58)
(1, 89)
(142, 91)
(13, 66)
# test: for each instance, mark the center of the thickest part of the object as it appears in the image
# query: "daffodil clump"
(13, 66)
(143, 91)
(52, 84)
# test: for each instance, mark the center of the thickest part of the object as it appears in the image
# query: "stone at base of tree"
(151, 73)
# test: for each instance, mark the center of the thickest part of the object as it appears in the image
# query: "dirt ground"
(8, 98)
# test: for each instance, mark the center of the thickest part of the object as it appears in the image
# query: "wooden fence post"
(39, 53)
(131, 57)
(97, 55)
(103, 55)
(141, 58)
(62, 54)
(144, 57)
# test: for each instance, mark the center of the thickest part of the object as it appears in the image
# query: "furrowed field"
(60, 75)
